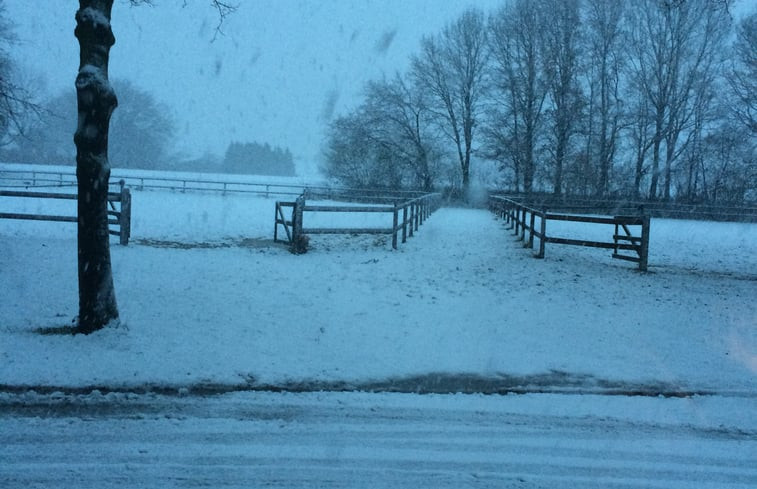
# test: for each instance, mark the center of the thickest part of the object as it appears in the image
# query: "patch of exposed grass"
(229, 243)
(57, 331)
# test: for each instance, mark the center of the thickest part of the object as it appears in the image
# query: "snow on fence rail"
(120, 218)
(18, 176)
(523, 218)
(46, 178)
(407, 216)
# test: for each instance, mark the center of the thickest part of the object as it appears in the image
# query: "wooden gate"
(523, 219)
(406, 217)
(120, 217)
(639, 244)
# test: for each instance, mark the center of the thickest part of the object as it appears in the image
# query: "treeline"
(141, 131)
(141, 136)
(258, 159)
(640, 98)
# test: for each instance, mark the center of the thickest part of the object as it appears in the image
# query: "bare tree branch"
(223, 8)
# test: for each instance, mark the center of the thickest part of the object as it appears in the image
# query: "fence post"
(543, 232)
(644, 255)
(124, 219)
(412, 219)
(417, 212)
(299, 245)
(297, 215)
(531, 231)
(276, 222)
(516, 219)
(394, 226)
(404, 223)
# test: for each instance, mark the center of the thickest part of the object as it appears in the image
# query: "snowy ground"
(211, 306)
(216, 302)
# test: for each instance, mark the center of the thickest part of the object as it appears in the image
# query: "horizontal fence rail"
(407, 217)
(523, 219)
(43, 178)
(365, 196)
(119, 217)
(11, 177)
(657, 209)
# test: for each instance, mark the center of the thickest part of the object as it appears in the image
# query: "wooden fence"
(653, 208)
(120, 218)
(407, 217)
(231, 184)
(48, 178)
(523, 220)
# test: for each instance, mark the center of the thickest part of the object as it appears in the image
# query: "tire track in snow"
(334, 441)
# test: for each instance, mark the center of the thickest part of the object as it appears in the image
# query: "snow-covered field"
(206, 297)
(210, 305)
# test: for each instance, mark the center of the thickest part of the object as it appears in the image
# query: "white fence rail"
(30, 177)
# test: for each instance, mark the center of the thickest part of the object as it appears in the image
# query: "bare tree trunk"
(669, 157)
(638, 173)
(559, 163)
(641, 142)
(96, 101)
(517, 44)
(605, 54)
(676, 46)
(561, 41)
(451, 67)
(528, 167)
(658, 135)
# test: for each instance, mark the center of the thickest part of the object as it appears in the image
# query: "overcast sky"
(274, 76)
(271, 77)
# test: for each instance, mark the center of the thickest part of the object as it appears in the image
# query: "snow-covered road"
(373, 440)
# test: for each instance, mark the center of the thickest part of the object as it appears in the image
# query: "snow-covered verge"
(207, 298)
(290, 440)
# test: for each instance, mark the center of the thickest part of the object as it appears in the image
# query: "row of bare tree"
(642, 98)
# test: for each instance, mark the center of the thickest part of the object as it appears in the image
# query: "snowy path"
(362, 440)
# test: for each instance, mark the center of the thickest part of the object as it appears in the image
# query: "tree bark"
(658, 136)
(96, 102)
